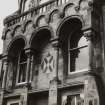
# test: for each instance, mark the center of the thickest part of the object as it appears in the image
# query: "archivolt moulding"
(80, 18)
(15, 39)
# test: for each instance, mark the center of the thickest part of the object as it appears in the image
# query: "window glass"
(79, 56)
(82, 60)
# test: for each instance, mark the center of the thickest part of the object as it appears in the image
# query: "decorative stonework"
(48, 64)
(85, 4)
(89, 34)
(41, 21)
(53, 93)
(29, 4)
(91, 92)
(17, 30)
(54, 15)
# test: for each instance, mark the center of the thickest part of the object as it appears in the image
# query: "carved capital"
(29, 52)
(5, 58)
(55, 44)
(89, 34)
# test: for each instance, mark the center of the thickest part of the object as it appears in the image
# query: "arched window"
(74, 46)
(78, 53)
(17, 63)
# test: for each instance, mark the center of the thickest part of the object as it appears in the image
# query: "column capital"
(29, 51)
(89, 34)
(55, 43)
(5, 58)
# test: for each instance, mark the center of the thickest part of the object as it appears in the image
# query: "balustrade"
(34, 11)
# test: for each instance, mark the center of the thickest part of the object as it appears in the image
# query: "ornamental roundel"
(47, 64)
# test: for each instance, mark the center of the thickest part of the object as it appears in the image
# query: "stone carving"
(91, 93)
(48, 63)
(25, 5)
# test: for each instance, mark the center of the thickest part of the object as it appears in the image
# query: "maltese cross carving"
(47, 64)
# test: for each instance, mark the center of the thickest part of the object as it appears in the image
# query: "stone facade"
(53, 53)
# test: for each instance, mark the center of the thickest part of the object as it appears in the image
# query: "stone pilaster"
(5, 70)
(56, 56)
(91, 96)
(89, 34)
(53, 91)
(95, 50)
(24, 96)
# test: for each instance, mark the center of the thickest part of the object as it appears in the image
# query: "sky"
(7, 7)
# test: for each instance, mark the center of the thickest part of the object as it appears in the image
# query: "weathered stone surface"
(46, 28)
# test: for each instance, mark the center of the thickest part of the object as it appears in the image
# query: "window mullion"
(77, 48)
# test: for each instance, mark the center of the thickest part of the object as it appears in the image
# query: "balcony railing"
(33, 12)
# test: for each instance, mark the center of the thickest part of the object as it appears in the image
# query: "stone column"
(53, 91)
(24, 91)
(5, 69)
(89, 34)
(29, 54)
(1, 91)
